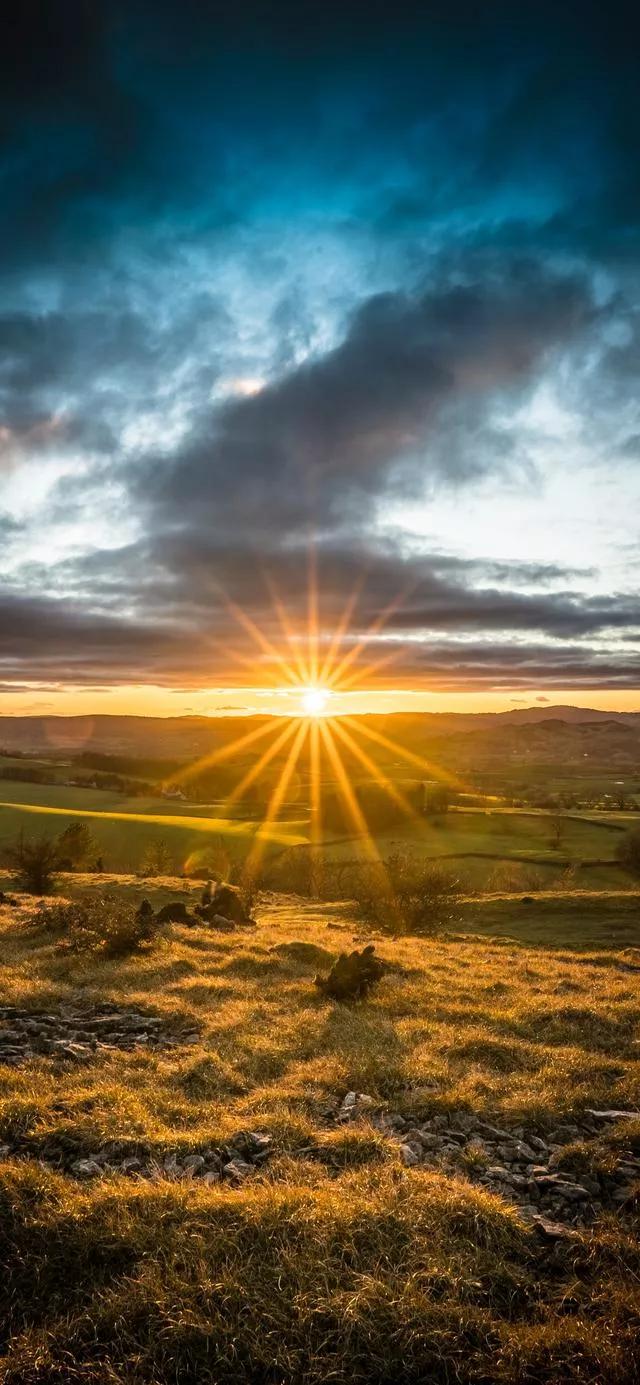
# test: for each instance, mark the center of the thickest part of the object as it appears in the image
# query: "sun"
(314, 702)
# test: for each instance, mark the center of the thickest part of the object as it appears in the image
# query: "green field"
(497, 848)
(124, 828)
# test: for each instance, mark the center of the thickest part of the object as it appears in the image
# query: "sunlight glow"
(312, 758)
(314, 702)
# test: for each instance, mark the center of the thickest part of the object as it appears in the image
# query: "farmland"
(493, 847)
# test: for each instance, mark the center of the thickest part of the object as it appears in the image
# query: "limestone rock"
(353, 975)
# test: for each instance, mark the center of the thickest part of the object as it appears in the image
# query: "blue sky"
(354, 277)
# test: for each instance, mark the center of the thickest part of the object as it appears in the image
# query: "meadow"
(334, 1260)
(495, 848)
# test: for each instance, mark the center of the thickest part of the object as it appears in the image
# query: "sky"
(319, 316)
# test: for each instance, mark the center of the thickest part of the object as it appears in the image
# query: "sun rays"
(318, 750)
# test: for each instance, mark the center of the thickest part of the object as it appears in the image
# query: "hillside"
(212, 1172)
(575, 730)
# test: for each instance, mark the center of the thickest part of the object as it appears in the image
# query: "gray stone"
(86, 1168)
(237, 1170)
(409, 1155)
(614, 1115)
(193, 1161)
(131, 1165)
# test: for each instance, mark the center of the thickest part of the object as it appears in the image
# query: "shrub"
(157, 859)
(294, 870)
(101, 924)
(628, 851)
(405, 895)
(77, 846)
(35, 861)
(437, 801)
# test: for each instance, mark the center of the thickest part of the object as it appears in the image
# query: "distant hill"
(545, 733)
(522, 715)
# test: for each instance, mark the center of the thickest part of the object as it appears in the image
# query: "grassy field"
(498, 849)
(345, 1265)
(125, 828)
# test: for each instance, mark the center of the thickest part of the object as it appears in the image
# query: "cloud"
(348, 424)
(404, 226)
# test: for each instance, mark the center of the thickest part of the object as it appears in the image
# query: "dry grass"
(347, 1266)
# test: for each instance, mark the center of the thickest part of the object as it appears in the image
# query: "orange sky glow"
(155, 701)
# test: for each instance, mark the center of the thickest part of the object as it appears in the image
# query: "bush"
(35, 861)
(437, 801)
(628, 851)
(157, 860)
(77, 847)
(295, 871)
(101, 924)
(404, 894)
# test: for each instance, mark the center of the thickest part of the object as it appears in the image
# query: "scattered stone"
(77, 1035)
(353, 1106)
(552, 1230)
(516, 1164)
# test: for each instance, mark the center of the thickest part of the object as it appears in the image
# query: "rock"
(237, 1170)
(353, 975)
(524, 1152)
(352, 1106)
(428, 1140)
(562, 1187)
(86, 1168)
(145, 909)
(176, 912)
(210, 1177)
(409, 1155)
(309, 953)
(256, 1144)
(226, 900)
(614, 1115)
(552, 1230)
(540, 1145)
(131, 1165)
(492, 1132)
(193, 1161)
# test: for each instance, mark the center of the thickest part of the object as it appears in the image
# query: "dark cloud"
(402, 223)
(344, 426)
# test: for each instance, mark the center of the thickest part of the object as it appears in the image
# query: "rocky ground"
(538, 1173)
(564, 1176)
(77, 1033)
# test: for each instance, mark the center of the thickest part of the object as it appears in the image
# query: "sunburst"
(316, 734)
